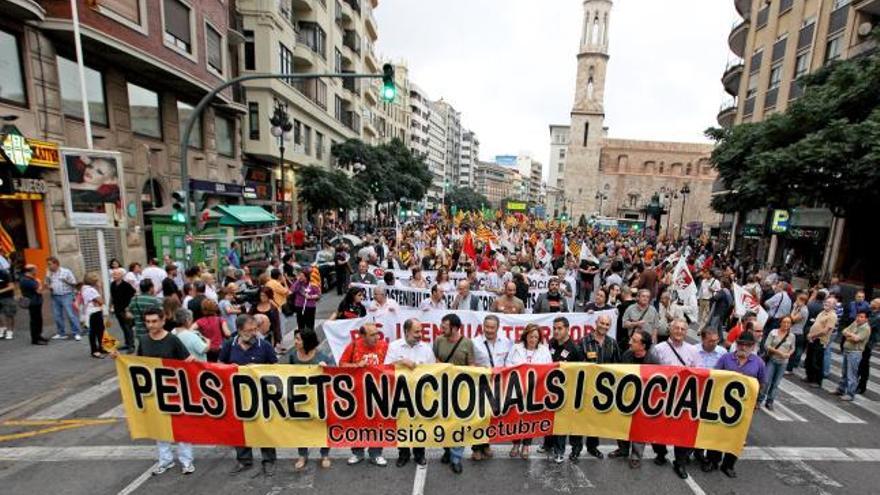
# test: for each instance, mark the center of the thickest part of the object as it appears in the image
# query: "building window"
(184, 111)
(801, 64)
(254, 120)
(688, 169)
(128, 12)
(775, 76)
(250, 51)
(143, 107)
(319, 145)
(286, 62)
(562, 154)
(214, 49)
(752, 88)
(337, 60)
(178, 25)
(71, 99)
(307, 140)
(297, 132)
(662, 168)
(337, 108)
(12, 88)
(224, 135)
(633, 200)
(586, 132)
(833, 49)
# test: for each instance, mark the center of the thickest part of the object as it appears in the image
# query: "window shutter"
(128, 9)
(177, 20)
(215, 50)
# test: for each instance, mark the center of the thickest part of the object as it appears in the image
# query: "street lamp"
(281, 127)
(685, 190)
(669, 195)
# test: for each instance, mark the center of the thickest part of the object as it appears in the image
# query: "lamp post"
(281, 127)
(669, 195)
(601, 197)
(685, 190)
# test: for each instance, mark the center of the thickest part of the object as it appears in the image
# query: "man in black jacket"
(563, 349)
(597, 347)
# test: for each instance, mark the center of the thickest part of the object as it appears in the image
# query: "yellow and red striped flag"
(7, 246)
(485, 234)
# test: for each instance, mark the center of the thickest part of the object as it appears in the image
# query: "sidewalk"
(34, 376)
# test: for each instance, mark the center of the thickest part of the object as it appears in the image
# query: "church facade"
(618, 178)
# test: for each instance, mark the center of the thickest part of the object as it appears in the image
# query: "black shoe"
(41, 342)
(421, 461)
(456, 468)
(660, 460)
(730, 472)
(595, 453)
(269, 468)
(860, 391)
(402, 461)
(708, 467)
(446, 457)
(680, 470)
(617, 453)
(574, 457)
(240, 468)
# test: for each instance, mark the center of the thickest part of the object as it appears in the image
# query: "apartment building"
(437, 159)
(496, 182)
(775, 43)
(559, 141)
(452, 120)
(147, 64)
(470, 154)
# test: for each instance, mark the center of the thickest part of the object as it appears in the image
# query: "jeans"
(826, 363)
(304, 452)
(800, 344)
(849, 380)
(166, 455)
(373, 452)
(865, 367)
(62, 307)
(455, 454)
(775, 371)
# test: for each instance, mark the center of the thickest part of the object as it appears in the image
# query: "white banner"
(684, 288)
(536, 282)
(745, 301)
(339, 333)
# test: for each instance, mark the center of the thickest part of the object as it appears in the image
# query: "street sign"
(781, 218)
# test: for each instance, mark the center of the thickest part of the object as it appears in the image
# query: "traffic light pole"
(206, 100)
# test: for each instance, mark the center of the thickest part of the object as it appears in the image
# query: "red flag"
(467, 246)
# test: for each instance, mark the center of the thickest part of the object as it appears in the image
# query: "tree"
(466, 199)
(324, 189)
(824, 149)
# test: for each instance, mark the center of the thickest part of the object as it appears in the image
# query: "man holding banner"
(453, 348)
(564, 349)
(490, 351)
(367, 349)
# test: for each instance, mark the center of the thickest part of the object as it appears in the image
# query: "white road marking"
(419, 480)
(837, 373)
(782, 413)
(818, 476)
(820, 405)
(695, 488)
(116, 412)
(137, 482)
(580, 478)
(78, 400)
(860, 401)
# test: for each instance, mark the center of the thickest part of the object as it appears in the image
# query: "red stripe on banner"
(360, 430)
(203, 428)
(524, 425)
(661, 429)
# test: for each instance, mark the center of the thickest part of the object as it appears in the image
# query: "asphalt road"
(61, 432)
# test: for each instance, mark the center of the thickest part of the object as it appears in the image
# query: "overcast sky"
(509, 65)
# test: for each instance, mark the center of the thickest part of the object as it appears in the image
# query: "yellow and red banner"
(432, 405)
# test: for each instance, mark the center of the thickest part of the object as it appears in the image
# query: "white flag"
(586, 254)
(543, 255)
(745, 302)
(684, 288)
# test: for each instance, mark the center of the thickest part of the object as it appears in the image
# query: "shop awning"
(244, 215)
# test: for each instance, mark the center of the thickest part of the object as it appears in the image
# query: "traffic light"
(178, 208)
(389, 89)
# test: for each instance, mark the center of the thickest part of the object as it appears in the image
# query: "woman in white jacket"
(529, 350)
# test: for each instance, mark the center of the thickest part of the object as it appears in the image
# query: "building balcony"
(737, 38)
(732, 77)
(370, 24)
(743, 7)
(303, 5)
(370, 58)
(727, 114)
(869, 6)
(352, 41)
(25, 10)
(344, 14)
(370, 95)
(303, 58)
(351, 85)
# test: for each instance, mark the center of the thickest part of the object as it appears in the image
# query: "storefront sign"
(32, 186)
(92, 182)
(16, 150)
(45, 154)
(516, 206)
(803, 233)
(216, 187)
(22, 152)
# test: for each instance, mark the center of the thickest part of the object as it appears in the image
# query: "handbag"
(766, 355)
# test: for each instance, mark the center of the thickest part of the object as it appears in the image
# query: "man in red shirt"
(299, 237)
(368, 349)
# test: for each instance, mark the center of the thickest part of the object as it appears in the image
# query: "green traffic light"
(389, 93)
(389, 89)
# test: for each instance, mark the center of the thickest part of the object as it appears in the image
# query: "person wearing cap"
(745, 362)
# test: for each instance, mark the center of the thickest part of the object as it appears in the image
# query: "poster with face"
(93, 187)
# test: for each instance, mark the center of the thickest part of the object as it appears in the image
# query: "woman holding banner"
(305, 351)
(529, 350)
(352, 305)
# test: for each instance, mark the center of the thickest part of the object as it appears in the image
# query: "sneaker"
(8, 335)
(59, 337)
(161, 468)
(77, 337)
(188, 469)
(543, 450)
(769, 406)
(846, 398)
(354, 459)
(379, 461)
(559, 459)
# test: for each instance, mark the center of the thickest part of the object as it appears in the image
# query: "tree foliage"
(321, 188)
(389, 172)
(824, 149)
(466, 199)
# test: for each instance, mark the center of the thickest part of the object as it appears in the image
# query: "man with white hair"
(264, 325)
(381, 304)
(819, 337)
(464, 300)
